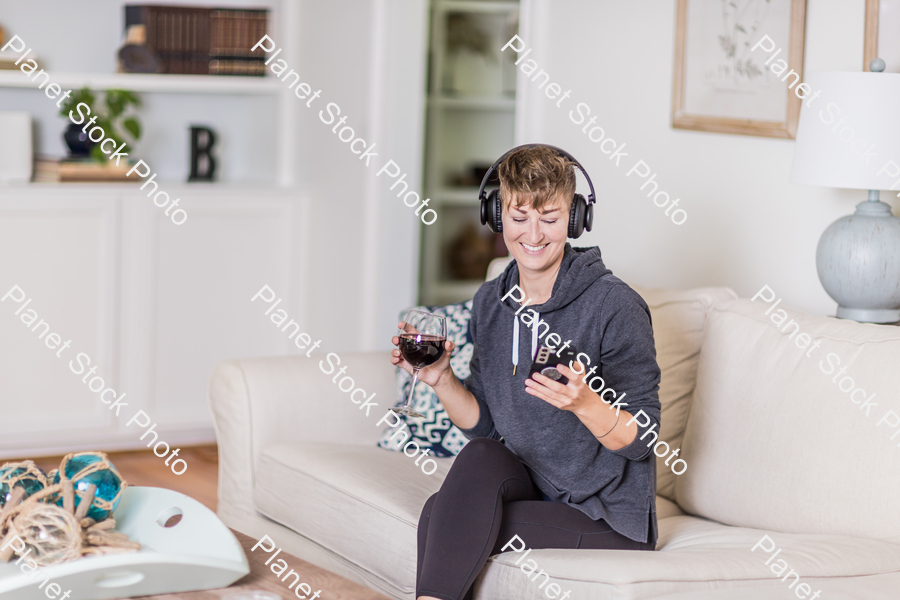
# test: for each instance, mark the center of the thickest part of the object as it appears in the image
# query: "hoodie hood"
(580, 268)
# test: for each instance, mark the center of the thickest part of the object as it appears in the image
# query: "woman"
(570, 470)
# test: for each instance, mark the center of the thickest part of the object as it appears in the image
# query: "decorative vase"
(87, 468)
(77, 141)
(16, 151)
(474, 74)
(470, 253)
(25, 475)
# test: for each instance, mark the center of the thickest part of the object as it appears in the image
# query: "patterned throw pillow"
(435, 431)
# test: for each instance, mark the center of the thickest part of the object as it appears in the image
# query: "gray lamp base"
(869, 315)
(858, 261)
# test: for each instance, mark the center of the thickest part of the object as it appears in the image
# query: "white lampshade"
(869, 103)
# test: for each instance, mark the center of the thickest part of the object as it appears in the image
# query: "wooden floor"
(142, 467)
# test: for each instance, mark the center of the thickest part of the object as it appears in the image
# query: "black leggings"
(486, 499)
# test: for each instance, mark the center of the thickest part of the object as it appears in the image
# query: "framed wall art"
(882, 16)
(722, 84)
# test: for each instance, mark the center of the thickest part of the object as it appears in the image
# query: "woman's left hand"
(574, 396)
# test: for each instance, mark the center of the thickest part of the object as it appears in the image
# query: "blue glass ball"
(108, 483)
(29, 483)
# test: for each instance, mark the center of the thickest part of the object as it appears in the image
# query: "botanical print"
(740, 23)
(723, 77)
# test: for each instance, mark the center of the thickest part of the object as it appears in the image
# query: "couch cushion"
(692, 555)
(361, 502)
(873, 587)
(678, 319)
(772, 442)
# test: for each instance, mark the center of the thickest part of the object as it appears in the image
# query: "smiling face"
(536, 237)
(537, 185)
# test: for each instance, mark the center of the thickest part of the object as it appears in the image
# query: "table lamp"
(849, 137)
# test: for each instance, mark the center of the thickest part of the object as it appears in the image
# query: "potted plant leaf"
(111, 116)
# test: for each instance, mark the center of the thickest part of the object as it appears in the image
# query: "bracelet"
(610, 431)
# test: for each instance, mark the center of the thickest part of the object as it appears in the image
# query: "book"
(179, 35)
(203, 41)
(8, 59)
(52, 169)
(219, 66)
(235, 32)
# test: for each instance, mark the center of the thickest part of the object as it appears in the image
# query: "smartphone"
(545, 361)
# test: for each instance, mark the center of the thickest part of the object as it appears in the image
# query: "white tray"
(199, 553)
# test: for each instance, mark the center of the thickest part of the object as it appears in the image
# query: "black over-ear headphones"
(581, 216)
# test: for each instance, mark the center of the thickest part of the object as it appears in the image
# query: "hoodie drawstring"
(515, 340)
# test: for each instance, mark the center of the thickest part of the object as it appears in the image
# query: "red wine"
(421, 350)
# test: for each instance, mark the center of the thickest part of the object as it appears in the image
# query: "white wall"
(368, 58)
(747, 225)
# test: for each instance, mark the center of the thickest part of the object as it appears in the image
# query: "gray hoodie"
(609, 323)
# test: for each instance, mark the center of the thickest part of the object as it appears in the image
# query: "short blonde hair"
(538, 176)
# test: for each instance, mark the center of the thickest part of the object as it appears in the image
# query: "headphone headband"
(591, 199)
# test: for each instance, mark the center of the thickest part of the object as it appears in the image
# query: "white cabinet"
(154, 305)
(63, 254)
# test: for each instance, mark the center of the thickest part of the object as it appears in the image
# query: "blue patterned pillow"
(436, 431)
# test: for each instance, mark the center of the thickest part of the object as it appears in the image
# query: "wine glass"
(422, 336)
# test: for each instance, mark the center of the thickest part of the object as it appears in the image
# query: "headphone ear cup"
(492, 212)
(577, 216)
(589, 217)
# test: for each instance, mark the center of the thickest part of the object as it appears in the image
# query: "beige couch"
(773, 447)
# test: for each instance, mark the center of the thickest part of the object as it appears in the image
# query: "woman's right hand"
(432, 374)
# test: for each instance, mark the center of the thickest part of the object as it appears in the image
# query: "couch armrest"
(263, 401)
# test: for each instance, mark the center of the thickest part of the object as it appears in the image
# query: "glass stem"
(412, 388)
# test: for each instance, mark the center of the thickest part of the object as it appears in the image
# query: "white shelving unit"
(470, 122)
(170, 104)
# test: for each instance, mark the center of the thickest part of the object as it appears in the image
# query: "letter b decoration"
(203, 165)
